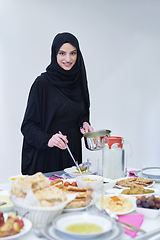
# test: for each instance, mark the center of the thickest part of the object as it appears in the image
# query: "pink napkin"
(131, 173)
(135, 219)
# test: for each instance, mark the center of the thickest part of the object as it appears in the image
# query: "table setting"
(83, 201)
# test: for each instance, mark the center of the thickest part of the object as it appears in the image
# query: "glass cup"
(93, 166)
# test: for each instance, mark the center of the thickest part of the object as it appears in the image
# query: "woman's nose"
(68, 58)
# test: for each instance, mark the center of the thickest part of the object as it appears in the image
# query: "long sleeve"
(32, 127)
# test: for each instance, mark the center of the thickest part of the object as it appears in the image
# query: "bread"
(35, 182)
(83, 198)
(134, 181)
(48, 196)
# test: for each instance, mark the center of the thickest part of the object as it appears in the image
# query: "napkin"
(131, 173)
(135, 219)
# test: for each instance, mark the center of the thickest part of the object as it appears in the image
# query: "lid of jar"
(112, 140)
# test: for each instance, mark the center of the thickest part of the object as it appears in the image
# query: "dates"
(148, 202)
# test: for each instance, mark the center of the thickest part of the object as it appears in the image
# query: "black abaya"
(58, 101)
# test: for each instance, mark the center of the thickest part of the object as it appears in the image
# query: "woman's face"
(67, 56)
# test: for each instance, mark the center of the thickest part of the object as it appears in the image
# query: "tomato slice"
(74, 184)
(66, 184)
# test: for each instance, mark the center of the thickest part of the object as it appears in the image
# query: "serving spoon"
(72, 157)
(2, 203)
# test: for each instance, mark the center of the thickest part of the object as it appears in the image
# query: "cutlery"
(72, 157)
(122, 222)
(2, 203)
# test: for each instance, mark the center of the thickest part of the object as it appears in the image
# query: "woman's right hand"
(58, 140)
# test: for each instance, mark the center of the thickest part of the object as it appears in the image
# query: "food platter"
(156, 192)
(131, 198)
(4, 197)
(117, 233)
(130, 178)
(24, 230)
(72, 171)
(119, 191)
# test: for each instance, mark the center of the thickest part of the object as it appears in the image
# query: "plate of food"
(5, 197)
(83, 225)
(139, 191)
(12, 226)
(134, 181)
(83, 198)
(73, 172)
(12, 178)
(51, 233)
(119, 204)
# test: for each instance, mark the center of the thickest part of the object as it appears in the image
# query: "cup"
(93, 166)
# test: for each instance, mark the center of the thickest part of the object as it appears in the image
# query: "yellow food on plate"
(89, 179)
(5, 198)
(137, 191)
(14, 178)
(117, 203)
(84, 228)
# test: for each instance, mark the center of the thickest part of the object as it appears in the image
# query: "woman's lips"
(67, 64)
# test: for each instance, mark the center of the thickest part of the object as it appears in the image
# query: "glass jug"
(115, 154)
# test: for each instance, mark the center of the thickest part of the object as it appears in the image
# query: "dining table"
(150, 226)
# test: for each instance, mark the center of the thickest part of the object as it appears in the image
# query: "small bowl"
(147, 212)
(12, 178)
(93, 181)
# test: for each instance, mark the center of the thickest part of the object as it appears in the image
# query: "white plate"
(78, 209)
(117, 233)
(118, 179)
(12, 178)
(4, 197)
(125, 212)
(70, 171)
(151, 171)
(140, 174)
(24, 230)
(156, 192)
(65, 220)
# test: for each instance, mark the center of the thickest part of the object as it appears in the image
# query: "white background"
(120, 42)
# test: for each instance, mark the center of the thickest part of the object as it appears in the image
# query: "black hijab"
(72, 83)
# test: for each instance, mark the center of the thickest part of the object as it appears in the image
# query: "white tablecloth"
(148, 224)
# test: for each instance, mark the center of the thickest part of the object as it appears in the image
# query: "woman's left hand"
(86, 128)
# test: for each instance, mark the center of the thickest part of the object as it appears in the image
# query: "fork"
(122, 222)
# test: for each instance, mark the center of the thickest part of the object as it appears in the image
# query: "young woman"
(58, 102)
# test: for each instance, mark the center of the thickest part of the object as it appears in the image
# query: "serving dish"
(4, 197)
(147, 212)
(133, 200)
(117, 233)
(24, 230)
(62, 222)
(156, 192)
(72, 171)
(130, 178)
(12, 178)
(39, 216)
(93, 181)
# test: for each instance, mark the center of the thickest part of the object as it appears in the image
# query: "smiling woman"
(67, 56)
(58, 102)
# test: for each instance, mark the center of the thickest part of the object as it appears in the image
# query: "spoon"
(73, 157)
(2, 203)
